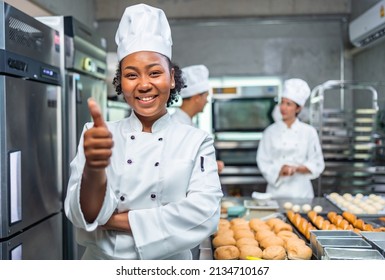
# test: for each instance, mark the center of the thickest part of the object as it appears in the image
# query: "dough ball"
(306, 208)
(317, 208)
(287, 205)
(296, 208)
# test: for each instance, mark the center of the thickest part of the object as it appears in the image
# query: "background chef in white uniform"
(144, 187)
(194, 97)
(289, 154)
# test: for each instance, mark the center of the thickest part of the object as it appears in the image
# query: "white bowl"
(262, 199)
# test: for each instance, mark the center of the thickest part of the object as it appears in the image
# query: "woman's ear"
(172, 78)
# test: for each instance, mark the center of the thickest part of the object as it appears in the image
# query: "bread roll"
(223, 240)
(359, 223)
(246, 241)
(274, 253)
(312, 215)
(224, 223)
(257, 224)
(243, 233)
(240, 226)
(331, 215)
(271, 241)
(297, 251)
(249, 251)
(286, 234)
(237, 221)
(290, 242)
(272, 222)
(279, 226)
(262, 234)
(229, 252)
(224, 231)
(350, 217)
(290, 215)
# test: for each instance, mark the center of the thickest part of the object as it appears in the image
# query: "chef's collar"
(293, 126)
(159, 124)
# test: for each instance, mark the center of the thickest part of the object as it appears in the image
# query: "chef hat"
(296, 90)
(196, 78)
(143, 28)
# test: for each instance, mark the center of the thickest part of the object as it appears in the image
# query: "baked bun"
(223, 240)
(271, 241)
(293, 242)
(240, 226)
(274, 253)
(243, 233)
(224, 231)
(272, 222)
(237, 221)
(228, 252)
(280, 226)
(298, 251)
(286, 234)
(246, 241)
(262, 234)
(257, 224)
(223, 223)
(249, 251)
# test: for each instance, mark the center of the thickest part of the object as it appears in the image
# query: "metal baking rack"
(347, 136)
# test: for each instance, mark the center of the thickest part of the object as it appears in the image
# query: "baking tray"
(331, 253)
(378, 214)
(353, 242)
(314, 234)
(252, 204)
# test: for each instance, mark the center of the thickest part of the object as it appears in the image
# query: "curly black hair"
(174, 93)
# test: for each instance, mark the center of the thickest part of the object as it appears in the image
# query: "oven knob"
(88, 65)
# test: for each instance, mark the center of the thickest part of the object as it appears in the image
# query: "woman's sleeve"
(72, 201)
(315, 160)
(166, 230)
(265, 160)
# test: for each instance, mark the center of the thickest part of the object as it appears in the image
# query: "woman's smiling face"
(146, 81)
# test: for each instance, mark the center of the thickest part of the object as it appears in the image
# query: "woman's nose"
(144, 84)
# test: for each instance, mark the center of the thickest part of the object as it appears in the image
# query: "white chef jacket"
(182, 117)
(298, 145)
(167, 179)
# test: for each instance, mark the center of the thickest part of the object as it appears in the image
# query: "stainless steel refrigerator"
(83, 55)
(30, 165)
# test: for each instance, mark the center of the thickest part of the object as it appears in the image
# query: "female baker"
(143, 187)
(289, 154)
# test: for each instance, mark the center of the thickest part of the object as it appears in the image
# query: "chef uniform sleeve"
(315, 160)
(72, 201)
(265, 159)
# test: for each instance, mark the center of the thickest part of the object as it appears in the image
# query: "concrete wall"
(308, 48)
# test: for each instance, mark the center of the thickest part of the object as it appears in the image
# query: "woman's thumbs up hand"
(98, 141)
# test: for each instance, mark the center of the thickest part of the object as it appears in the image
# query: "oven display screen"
(242, 114)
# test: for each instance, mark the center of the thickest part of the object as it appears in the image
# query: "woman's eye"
(130, 76)
(155, 74)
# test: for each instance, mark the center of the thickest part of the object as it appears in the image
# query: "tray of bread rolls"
(268, 238)
(358, 204)
(314, 224)
(334, 221)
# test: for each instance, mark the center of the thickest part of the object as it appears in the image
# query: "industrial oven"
(83, 66)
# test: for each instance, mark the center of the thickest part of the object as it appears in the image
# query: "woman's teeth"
(147, 98)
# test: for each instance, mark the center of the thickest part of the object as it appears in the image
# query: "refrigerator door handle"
(15, 186)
